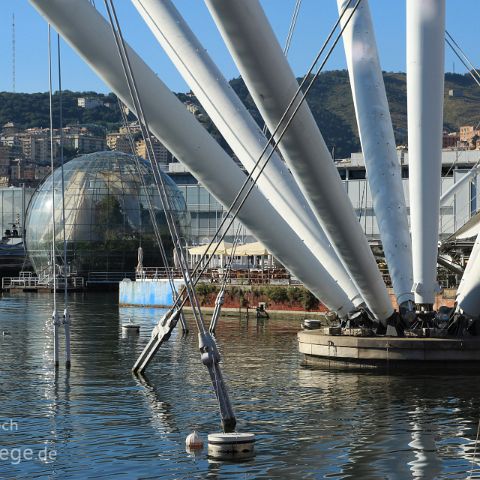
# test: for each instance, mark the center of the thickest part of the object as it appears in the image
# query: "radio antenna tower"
(13, 52)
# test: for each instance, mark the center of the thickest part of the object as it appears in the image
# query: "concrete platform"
(382, 351)
(147, 293)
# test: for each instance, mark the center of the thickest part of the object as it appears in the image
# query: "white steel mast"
(425, 79)
(378, 145)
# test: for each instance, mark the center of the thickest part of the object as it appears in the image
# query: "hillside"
(330, 101)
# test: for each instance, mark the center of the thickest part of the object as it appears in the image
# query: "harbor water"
(99, 421)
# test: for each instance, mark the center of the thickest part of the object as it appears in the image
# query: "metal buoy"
(194, 441)
(231, 446)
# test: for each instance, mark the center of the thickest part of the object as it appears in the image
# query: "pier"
(28, 282)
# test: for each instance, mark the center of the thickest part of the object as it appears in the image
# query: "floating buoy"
(5, 333)
(131, 328)
(194, 441)
(231, 446)
(311, 324)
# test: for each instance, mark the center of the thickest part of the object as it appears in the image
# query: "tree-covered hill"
(330, 100)
(32, 110)
(331, 103)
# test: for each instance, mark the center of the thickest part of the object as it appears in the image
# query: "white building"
(89, 102)
(206, 212)
(455, 164)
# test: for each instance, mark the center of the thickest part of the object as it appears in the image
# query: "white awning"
(469, 229)
(201, 249)
(249, 249)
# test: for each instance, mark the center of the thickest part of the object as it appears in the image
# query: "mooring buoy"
(231, 446)
(130, 328)
(194, 441)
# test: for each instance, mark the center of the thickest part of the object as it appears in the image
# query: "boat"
(12, 250)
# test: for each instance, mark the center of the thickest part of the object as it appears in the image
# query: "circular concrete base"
(231, 446)
(382, 350)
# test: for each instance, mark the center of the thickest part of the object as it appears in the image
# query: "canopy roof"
(201, 249)
(248, 249)
(469, 229)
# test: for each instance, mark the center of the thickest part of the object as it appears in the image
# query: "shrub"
(309, 301)
(277, 294)
(295, 295)
(205, 289)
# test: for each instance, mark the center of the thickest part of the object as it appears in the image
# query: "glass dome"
(106, 215)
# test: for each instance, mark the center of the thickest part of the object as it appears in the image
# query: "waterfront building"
(455, 164)
(206, 212)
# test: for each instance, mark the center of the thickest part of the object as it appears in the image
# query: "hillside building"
(162, 155)
(119, 142)
(89, 102)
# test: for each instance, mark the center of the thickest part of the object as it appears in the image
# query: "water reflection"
(310, 423)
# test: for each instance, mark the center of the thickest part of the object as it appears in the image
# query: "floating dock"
(382, 351)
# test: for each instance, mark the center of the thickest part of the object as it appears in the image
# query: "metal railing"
(273, 276)
(157, 273)
(108, 277)
(29, 280)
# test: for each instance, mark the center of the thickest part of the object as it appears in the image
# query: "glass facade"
(13, 202)
(206, 213)
(106, 215)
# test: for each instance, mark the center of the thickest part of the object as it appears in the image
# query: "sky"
(315, 20)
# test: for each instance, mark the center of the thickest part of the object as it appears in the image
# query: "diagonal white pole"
(240, 131)
(272, 84)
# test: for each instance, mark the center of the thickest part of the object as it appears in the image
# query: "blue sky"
(315, 20)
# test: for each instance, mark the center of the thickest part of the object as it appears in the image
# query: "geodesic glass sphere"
(107, 215)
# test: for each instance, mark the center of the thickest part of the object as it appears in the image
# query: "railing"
(157, 273)
(72, 282)
(445, 278)
(109, 277)
(28, 280)
(19, 282)
(273, 276)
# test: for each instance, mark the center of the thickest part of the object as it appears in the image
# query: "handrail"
(31, 281)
